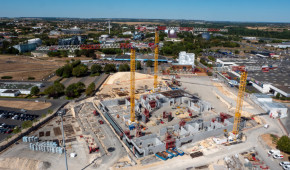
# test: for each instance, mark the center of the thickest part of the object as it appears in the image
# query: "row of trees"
(72, 91)
(75, 68)
(242, 31)
(58, 53)
(7, 49)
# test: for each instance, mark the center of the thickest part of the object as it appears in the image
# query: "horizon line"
(160, 19)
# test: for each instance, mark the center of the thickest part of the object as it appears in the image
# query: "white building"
(103, 37)
(36, 41)
(9, 93)
(186, 58)
(282, 45)
(249, 38)
(274, 109)
(127, 33)
(225, 63)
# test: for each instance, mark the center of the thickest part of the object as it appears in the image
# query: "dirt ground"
(121, 82)
(27, 105)
(22, 67)
(229, 94)
(268, 140)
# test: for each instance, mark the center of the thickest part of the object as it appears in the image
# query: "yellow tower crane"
(156, 59)
(132, 85)
(240, 99)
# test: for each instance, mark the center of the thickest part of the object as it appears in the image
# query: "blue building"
(75, 40)
(205, 36)
(22, 48)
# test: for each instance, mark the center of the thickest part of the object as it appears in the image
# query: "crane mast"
(132, 85)
(240, 99)
(156, 59)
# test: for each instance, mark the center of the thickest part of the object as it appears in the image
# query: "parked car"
(274, 152)
(286, 167)
(284, 163)
(278, 156)
(266, 126)
(2, 125)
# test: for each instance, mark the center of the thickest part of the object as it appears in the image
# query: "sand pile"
(120, 82)
(23, 164)
(124, 77)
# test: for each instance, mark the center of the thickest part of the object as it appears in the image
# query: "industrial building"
(250, 38)
(262, 54)
(267, 76)
(281, 45)
(274, 109)
(74, 30)
(9, 93)
(171, 119)
(75, 40)
(13, 89)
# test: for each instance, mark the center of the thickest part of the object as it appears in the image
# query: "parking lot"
(12, 117)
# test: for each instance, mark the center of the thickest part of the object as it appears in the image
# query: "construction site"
(162, 116)
(139, 119)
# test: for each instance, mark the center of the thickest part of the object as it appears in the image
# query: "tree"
(237, 52)
(124, 67)
(59, 71)
(139, 67)
(76, 63)
(149, 63)
(283, 144)
(80, 70)
(67, 71)
(27, 124)
(56, 90)
(278, 95)
(96, 68)
(12, 50)
(110, 68)
(74, 90)
(16, 130)
(90, 90)
(34, 91)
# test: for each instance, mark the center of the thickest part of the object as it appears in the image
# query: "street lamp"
(61, 113)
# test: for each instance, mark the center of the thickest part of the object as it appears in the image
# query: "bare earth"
(22, 67)
(27, 105)
(268, 140)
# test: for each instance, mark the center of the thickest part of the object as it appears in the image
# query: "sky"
(210, 10)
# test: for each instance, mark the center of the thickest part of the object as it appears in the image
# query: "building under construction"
(163, 120)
